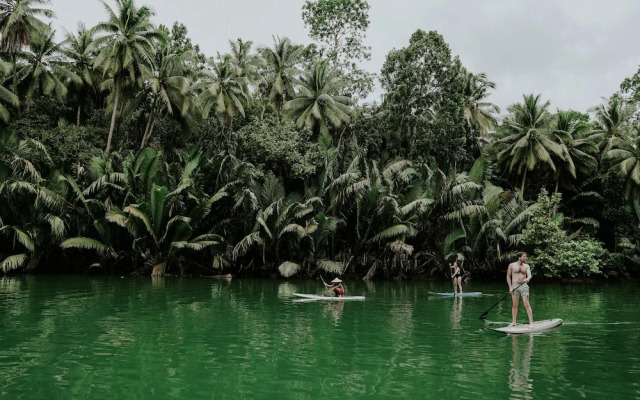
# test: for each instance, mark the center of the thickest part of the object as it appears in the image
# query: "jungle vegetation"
(124, 149)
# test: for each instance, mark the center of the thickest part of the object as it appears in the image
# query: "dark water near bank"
(78, 337)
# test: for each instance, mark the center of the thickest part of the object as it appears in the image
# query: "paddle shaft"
(325, 283)
(483, 316)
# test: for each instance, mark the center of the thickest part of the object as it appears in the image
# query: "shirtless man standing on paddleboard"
(518, 274)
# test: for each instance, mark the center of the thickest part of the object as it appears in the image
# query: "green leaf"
(13, 262)
(288, 269)
(83, 243)
(330, 266)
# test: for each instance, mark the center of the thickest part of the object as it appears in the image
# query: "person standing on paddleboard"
(336, 288)
(518, 275)
(457, 277)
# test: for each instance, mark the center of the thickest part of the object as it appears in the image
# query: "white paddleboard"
(463, 294)
(319, 297)
(525, 328)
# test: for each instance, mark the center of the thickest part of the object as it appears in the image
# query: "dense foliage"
(124, 149)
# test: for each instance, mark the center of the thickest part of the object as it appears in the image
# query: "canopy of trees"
(125, 149)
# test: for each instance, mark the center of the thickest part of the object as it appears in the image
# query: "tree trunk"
(524, 179)
(15, 73)
(78, 115)
(147, 130)
(113, 120)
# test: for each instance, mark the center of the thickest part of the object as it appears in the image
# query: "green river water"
(84, 337)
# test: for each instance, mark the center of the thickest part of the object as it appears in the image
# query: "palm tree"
(169, 89)
(495, 225)
(246, 63)
(18, 22)
(624, 160)
(524, 141)
(160, 206)
(317, 104)
(6, 96)
(225, 91)
(577, 148)
(80, 54)
(478, 114)
(280, 72)
(614, 123)
(45, 69)
(128, 48)
(32, 211)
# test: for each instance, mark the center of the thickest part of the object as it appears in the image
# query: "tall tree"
(340, 26)
(80, 55)
(180, 43)
(224, 91)
(45, 70)
(318, 105)
(578, 149)
(128, 48)
(6, 96)
(479, 114)
(425, 98)
(624, 161)
(524, 141)
(613, 122)
(245, 62)
(168, 89)
(280, 72)
(18, 22)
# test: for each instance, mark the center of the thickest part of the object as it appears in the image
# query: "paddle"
(325, 284)
(483, 316)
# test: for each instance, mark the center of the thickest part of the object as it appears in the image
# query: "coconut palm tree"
(246, 63)
(317, 105)
(613, 124)
(280, 72)
(524, 141)
(79, 53)
(128, 47)
(7, 98)
(45, 69)
(18, 22)
(479, 114)
(578, 149)
(624, 161)
(224, 91)
(169, 90)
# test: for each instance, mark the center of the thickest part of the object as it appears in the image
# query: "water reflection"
(334, 310)
(157, 281)
(519, 382)
(456, 313)
(286, 290)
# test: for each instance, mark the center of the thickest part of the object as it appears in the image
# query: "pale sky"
(572, 52)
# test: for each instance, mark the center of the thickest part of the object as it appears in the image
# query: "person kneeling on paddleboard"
(336, 288)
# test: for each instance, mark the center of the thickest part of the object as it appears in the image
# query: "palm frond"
(83, 243)
(288, 269)
(13, 262)
(330, 266)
